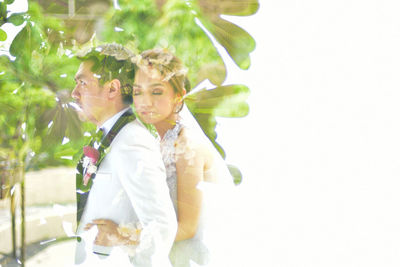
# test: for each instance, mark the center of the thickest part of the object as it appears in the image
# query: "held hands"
(111, 234)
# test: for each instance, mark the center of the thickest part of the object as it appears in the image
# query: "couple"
(136, 205)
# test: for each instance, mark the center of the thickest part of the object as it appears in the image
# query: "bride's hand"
(109, 234)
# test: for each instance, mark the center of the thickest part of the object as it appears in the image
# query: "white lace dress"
(201, 249)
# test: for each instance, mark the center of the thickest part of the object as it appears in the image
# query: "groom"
(122, 195)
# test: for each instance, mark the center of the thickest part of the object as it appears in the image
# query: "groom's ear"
(114, 89)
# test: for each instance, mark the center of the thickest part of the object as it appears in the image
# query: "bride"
(197, 176)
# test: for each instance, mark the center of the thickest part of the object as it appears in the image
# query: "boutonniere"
(90, 160)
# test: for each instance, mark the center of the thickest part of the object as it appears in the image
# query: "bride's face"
(154, 99)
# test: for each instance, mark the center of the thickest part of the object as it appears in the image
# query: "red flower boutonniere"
(89, 162)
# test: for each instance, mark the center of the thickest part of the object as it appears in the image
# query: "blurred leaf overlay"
(40, 126)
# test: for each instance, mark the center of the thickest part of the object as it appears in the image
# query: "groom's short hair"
(112, 61)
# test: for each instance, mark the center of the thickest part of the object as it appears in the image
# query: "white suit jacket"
(130, 186)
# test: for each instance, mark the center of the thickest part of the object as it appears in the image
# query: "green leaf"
(220, 92)
(36, 62)
(26, 41)
(17, 19)
(65, 121)
(230, 110)
(236, 41)
(229, 7)
(74, 125)
(68, 151)
(57, 130)
(8, 2)
(236, 174)
(3, 35)
(216, 73)
(226, 101)
(207, 122)
(3, 13)
(223, 101)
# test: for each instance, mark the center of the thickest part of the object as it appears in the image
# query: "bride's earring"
(179, 104)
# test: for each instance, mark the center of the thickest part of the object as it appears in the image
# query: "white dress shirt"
(108, 124)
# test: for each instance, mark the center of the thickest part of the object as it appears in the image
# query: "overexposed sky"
(320, 149)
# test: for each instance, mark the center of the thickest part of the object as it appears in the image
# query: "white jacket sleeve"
(145, 184)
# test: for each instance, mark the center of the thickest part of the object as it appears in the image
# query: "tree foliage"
(34, 84)
(36, 79)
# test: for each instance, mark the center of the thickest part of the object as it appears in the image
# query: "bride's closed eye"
(136, 90)
(157, 91)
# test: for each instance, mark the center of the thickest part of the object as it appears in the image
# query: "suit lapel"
(82, 190)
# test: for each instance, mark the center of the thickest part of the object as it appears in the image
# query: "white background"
(320, 149)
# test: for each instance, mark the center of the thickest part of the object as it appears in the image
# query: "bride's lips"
(146, 113)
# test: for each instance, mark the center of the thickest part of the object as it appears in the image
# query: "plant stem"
(22, 173)
(13, 233)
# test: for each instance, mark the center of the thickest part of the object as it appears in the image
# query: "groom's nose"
(75, 94)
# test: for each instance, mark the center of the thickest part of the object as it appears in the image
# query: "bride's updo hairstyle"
(168, 65)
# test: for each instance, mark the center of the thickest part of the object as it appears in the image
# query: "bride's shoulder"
(191, 140)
